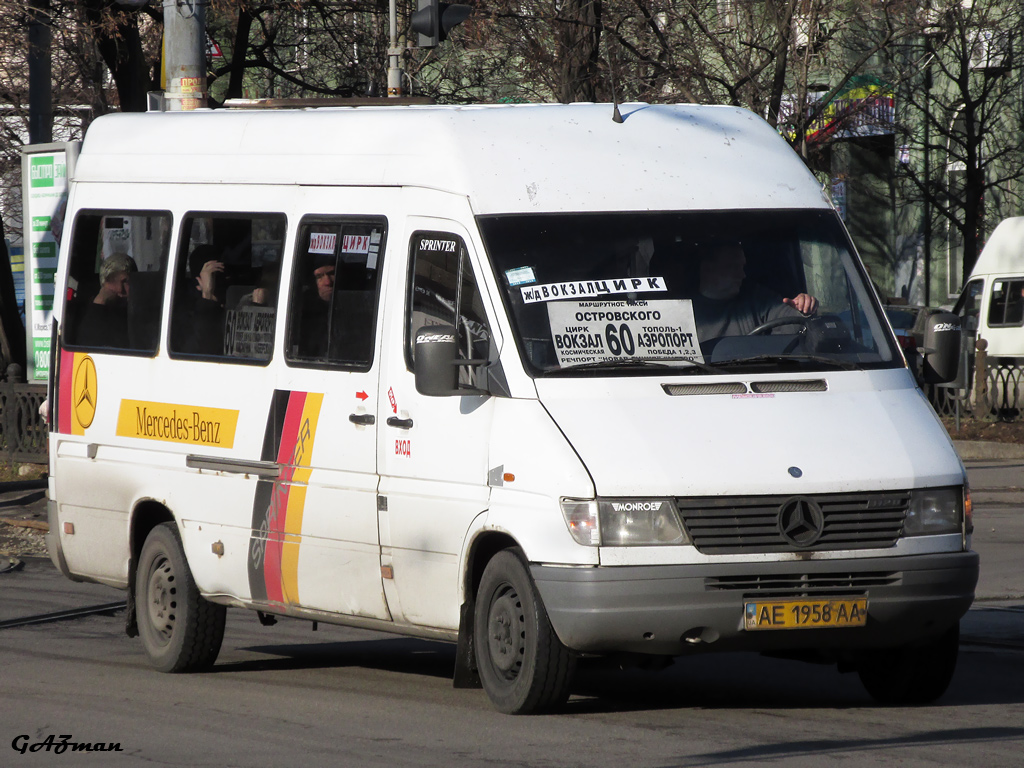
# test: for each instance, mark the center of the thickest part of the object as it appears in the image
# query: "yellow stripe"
(297, 498)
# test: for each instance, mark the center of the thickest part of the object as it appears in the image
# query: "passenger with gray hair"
(105, 321)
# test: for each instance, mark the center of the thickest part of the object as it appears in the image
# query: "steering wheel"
(801, 320)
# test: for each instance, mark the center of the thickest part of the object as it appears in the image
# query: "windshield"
(701, 291)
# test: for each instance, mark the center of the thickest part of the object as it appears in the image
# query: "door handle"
(394, 421)
(361, 418)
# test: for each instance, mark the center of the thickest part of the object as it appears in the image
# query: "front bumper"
(677, 609)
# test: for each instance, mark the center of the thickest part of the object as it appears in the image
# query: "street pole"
(184, 60)
(394, 52)
(40, 99)
(927, 174)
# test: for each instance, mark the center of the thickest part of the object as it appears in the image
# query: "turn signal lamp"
(968, 511)
(581, 517)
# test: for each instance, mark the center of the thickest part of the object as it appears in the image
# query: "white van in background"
(522, 378)
(992, 301)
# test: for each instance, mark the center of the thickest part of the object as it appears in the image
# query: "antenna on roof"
(616, 115)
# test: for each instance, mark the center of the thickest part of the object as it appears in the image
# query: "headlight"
(933, 511)
(623, 522)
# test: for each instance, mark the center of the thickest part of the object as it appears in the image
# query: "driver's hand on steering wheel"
(803, 303)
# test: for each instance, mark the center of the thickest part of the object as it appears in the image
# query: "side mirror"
(942, 336)
(435, 354)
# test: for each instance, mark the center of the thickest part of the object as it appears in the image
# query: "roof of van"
(505, 158)
(1003, 254)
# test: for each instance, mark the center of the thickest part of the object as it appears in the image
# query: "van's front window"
(694, 291)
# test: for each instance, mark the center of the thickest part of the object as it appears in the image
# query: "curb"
(988, 449)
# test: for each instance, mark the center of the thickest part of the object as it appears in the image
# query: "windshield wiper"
(755, 359)
(690, 366)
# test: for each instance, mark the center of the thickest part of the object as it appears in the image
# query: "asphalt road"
(284, 695)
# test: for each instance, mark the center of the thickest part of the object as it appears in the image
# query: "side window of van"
(445, 292)
(1006, 305)
(333, 305)
(226, 285)
(116, 280)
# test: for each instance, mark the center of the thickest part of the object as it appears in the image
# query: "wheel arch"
(484, 546)
(147, 515)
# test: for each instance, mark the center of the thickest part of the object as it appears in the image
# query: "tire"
(913, 674)
(181, 631)
(523, 666)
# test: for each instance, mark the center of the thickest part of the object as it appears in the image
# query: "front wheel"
(523, 666)
(914, 674)
(180, 630)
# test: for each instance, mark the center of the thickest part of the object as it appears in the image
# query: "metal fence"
(987, 388)
(23, 432)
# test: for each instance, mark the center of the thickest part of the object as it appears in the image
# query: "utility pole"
(40, 99)
(394, 53)
(184, 59)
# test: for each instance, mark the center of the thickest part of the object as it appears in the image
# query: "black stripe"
(264, 495)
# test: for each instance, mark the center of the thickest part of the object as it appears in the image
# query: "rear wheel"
(913, 674)
(522, 664)
(180, 630)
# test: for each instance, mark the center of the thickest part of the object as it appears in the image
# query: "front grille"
(804, 584)
(726, 525)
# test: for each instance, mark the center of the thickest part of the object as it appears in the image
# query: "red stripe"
(67, 369)
(290, 429)
(279, 500)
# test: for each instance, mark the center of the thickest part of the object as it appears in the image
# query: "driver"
(728, 306)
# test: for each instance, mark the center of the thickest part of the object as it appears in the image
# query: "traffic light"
(433, 21)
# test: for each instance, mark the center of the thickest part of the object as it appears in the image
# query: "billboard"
(45, 169)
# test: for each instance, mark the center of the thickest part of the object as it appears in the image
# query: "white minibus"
(528, 379)
(992, 302)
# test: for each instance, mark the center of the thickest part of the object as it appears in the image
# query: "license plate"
(805, 614)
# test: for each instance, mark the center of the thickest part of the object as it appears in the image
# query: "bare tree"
(962, 123)
(76, 89)
(280, 50)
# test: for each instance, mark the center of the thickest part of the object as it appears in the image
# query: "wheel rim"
(162, 599)
(506, 632)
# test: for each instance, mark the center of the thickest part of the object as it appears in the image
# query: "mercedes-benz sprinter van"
(524, 378)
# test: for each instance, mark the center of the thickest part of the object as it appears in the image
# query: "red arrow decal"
(362, 395)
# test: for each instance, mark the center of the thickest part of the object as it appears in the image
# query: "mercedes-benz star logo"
(801, 521)
(84, 391)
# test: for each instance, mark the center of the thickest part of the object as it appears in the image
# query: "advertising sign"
(44, 173)
(594, 331)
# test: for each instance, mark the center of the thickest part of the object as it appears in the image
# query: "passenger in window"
(728, 305)
(104, 321)
(323, 275)
(264, 294)
(199, 316)
(316, 310)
